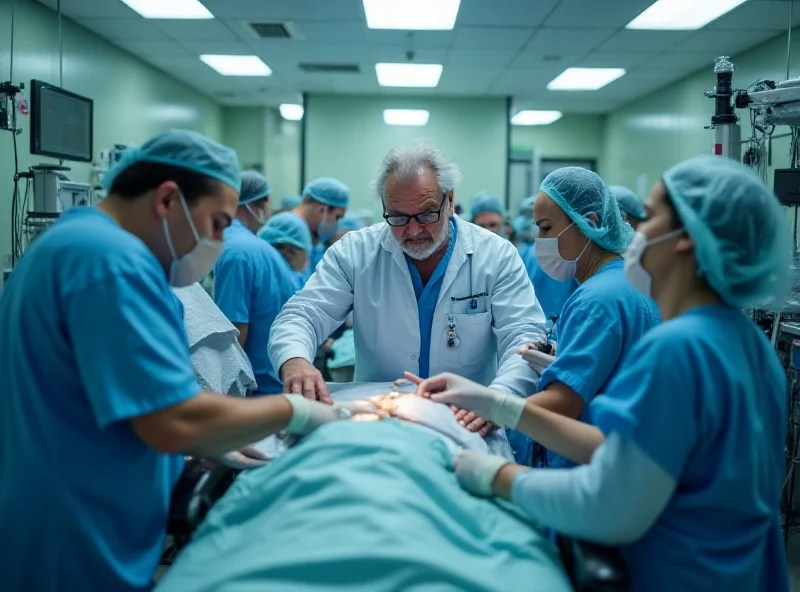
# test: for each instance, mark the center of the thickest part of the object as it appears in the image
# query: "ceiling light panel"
(682, 15)
(291, 112)
(585, 78)
(409, 75)
(531, 117)
(412, 15)
(405, 116)
(169, 9)
(237, 65)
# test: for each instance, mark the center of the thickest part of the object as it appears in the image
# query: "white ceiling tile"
(78, 9)
(559, 62)
(461, 80)
(277, 10)
(288, 50)
(329, 33)
(201, 47)
(411, 39)
(675, 62)
(645, 41)
(499, 58)
(567, 41)
(725, 42)
(527, 80)
(154, 48)
(126, 29)
(195, 30)
(615, 60)
(504, 13)
(769, 15)
(399, 54)
(596, 13)
(490, 38)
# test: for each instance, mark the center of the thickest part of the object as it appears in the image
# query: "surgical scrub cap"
(520, 224)
(329, 191)
(741, 236)
(628, 202)
(254, 187)
(485, 202)
(350, 222)
(287, 228)
(290, 202)
(526, 207)
(580, 192)
(184, 149)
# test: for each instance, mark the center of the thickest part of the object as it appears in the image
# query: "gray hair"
(406, 162)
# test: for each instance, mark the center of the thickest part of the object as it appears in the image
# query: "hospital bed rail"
(590, 567)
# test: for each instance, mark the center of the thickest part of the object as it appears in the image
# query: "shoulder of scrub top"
(609, 292)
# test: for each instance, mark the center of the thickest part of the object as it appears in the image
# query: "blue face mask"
(327, 229)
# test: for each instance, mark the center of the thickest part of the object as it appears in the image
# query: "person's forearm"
(243, 332)
(564, 436)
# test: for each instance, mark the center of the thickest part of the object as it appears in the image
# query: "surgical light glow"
(585, 78)
(405, 116)
(237, 65)
(529, 117)
(169, 9)
(412, 15)
(291, 112)
(682, 15)
(409, 75)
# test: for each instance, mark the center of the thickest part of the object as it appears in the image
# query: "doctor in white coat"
(431, 292)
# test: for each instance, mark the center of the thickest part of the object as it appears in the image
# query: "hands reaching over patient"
(247, 457)
(301, 378)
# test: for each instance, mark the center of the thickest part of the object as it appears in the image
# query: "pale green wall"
(651, 134)
(244, 130)
(346, 138)
(132, 101)
(572, 136)
(282, 155)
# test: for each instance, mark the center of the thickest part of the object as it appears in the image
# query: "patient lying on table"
(369, 505)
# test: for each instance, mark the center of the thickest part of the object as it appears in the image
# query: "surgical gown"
(704, 395)
(90, 338)
(599, 324)
(252, 283)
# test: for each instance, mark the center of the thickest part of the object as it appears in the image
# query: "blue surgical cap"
(741, 236)
(254, 187)
(526, 207)
(290, 202)
(485, 202)
(351, 222)
(520, 224)
(184, 149)
(329, 191)
(580, 192)
(628, 202)
(287, 228)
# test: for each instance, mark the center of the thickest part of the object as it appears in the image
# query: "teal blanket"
(366, 507)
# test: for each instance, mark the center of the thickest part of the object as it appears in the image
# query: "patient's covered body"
(363, 506)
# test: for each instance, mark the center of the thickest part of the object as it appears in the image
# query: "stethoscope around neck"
(453, 340)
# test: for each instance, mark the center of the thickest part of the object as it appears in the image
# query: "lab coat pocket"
(475, 333)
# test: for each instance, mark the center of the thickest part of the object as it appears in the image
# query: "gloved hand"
(476, 471)
(536, 359)
(308, 415)
(244, 458)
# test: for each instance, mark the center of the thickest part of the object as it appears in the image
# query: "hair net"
(485, 202)
(526, 207)
(185, 149)
(287, 228)
(628, 202)
(254, 187)
(520, 224)
(741, 236)
(290, 202)
(351, 222)
(329, 191)
(580, 192)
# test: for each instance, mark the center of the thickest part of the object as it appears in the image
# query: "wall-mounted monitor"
(61, 123)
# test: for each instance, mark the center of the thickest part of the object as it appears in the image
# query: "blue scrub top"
(252, 282)
(90, 337)
(704, 396)
(427, 297)
(551, 294)
(316, 255)
(598, 326)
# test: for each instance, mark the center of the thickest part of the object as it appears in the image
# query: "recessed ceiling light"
(529, 117)
(682, 15)
(405, 116)
(415, 15)
(411, 75)
(291, 112)
(169, 9)
(237, 65)
(585, 78)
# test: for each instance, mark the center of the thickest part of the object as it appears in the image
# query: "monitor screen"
(61, 123)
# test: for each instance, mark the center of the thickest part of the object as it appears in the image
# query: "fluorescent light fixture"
(682, 15)
(237, 65)
(405, 116)
(169, 9)
(291, 112)
(411, 75)
(585, 78)
(529, 117)
(414, 15)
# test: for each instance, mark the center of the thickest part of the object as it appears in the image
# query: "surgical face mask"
(552, 263)
(636, 274)
(327, 228)
(259, 215)
(194, 265)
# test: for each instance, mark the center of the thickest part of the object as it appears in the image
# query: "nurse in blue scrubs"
(251, 281)
(292, 239)
(631, 207)
(488, 213)
(686, 461)
(99, 401)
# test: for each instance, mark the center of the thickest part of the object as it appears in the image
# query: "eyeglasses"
(421, 218)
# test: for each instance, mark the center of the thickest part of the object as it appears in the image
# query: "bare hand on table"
(468, 419)
(244, 458)
(301, 378)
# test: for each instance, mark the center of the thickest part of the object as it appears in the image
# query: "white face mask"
(259, 215)
(552, 263)
(636, 274)
(327, 229)
(195, 264)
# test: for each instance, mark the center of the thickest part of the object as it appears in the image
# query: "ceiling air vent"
(271, 30)
(330, 68)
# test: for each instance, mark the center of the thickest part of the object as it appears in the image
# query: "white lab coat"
(366, 272)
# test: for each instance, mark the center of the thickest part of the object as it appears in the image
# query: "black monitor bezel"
(36, 122)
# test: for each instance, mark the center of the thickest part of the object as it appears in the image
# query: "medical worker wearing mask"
(100, 401)
(631, 207)
(430, 292)
(487, 212)
(251, 282)
(292, 238)
(686, 461)
(349, 223)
